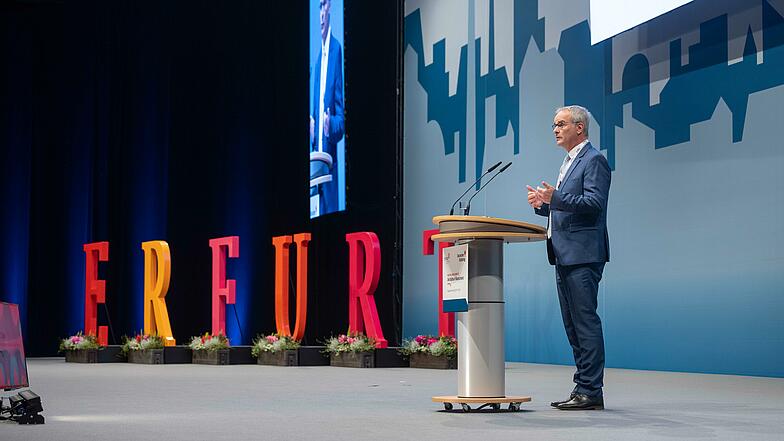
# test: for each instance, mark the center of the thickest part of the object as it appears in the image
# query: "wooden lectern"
(480, 330)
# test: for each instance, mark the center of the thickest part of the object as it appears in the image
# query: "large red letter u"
(282, 245)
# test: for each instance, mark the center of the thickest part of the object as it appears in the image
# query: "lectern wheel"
(466, 407)
(496, 406)
(514, 406)
(448, 406)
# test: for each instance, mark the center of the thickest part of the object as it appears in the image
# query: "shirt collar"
(576, 151)
(325, 43)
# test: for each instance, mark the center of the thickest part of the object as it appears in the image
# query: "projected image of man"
(326, 119)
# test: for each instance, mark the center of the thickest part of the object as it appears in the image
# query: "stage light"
(25, 407)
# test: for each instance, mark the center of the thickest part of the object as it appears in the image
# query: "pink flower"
(431, 340)
(351, 340)
(342, 339)
(272, 338)
(420, 339)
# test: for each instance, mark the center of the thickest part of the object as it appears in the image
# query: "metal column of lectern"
(480, 330)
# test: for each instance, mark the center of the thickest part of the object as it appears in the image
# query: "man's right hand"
(533, 197)
(312, 127)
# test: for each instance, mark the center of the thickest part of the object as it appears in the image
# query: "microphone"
(452, 210)
(468, 205)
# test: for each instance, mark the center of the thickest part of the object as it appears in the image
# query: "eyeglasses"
(561, 124)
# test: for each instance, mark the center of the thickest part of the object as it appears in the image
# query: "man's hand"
(533, 197)
(312, 127)
(326, 122)
(545, 192)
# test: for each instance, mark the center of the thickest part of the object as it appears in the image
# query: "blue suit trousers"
(578, 288)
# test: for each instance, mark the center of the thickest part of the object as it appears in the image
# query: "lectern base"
(490, 403)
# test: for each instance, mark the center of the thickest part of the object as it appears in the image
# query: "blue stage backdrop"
(685, 108)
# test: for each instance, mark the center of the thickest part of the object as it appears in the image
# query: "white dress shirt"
(565, 166)
(322, 86)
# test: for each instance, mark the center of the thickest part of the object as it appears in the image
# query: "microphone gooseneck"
(489, 170)
(468, 205)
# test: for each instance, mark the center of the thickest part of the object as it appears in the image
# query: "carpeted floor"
(194, 402)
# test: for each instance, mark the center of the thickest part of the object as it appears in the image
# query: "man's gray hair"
(579, 115)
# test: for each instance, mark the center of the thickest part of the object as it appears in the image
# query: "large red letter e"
(223, 291)
(94, 290)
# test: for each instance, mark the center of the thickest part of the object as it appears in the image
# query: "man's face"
(324, 17)
(567, 134)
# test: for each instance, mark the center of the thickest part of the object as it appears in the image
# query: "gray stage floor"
(194, 402)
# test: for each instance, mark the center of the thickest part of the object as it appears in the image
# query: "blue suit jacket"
(579, 212)
(333, 101)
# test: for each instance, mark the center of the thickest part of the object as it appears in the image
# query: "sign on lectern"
(455, 278)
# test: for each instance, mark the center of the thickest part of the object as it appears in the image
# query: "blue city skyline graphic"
(690, 95)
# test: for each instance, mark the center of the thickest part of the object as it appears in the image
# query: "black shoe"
(583, 402)
(557, 403)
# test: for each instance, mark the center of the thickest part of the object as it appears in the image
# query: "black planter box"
(81, 356)
(107, 354)
(380, 358)
(281, 358)
(428, 361)
(353, 359)
(146, 356)
(218, 357)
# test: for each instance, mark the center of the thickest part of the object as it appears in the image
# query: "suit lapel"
(317, 86)
(576, 163)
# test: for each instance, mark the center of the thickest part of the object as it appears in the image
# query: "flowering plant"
(79, 341)
(444, 346)
(209, 342)
(141, 342)
(273, 343)
(350, 343)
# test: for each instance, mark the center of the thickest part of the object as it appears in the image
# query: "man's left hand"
(545, 192)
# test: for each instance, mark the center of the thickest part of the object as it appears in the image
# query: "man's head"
(324, 18)
(570, 126)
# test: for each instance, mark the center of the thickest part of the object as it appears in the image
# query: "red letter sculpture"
(94, 290)
(364, 268)
(223, 291)
(446, 320)
(282, 245)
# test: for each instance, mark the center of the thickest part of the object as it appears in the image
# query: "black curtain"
(182, 121)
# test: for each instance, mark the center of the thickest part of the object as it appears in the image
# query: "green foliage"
(209, 342)
(444, 346)
(79, 341)
(350, 343)
(273, 343)
(141, 342)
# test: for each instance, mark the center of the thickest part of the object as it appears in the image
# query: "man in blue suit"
(326, 120)
(578, 246)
